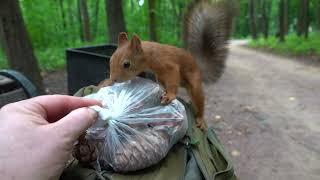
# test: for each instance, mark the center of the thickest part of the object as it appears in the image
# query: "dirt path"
(266, 111)
(269, 109)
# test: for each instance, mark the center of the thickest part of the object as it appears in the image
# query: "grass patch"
(293, 45)
(49, 59)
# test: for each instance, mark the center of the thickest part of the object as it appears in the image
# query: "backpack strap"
(209, 153)
(220, 157)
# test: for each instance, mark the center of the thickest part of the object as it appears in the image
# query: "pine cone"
(84, 151)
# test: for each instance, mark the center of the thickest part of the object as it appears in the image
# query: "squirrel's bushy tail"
(206, 31)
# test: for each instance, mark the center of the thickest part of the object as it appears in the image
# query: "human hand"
(37, 135)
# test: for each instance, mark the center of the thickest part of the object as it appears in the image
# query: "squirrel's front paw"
(167, 98)
(105, 83)
(85, 152)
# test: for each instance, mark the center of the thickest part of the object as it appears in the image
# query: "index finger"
(54, 107)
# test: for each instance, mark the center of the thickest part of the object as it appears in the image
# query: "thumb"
(75, 123)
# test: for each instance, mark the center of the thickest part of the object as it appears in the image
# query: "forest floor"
(265, 110)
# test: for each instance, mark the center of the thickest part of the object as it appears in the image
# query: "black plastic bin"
(89, 66)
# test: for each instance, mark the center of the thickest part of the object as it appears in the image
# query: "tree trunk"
(152, 20)
(85, 20)
(286, 16)
(265, 18)
(63, 16)
(116, 23)
(80, 20)
(96, 19)
(17, 45)
(180, 19)
(64, 22)
(306, 19)
(132, 5)
(177, 9)
(303, 18)
(283, 19)
(70, 20)
(70, 13)
(258, 15)
(252, 19)
(318, 15)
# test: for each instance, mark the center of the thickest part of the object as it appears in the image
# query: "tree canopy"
(54, 25)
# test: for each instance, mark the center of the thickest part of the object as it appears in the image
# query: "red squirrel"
(206, 31)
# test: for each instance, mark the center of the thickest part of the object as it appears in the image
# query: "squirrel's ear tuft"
(122, 38)
(135, 44)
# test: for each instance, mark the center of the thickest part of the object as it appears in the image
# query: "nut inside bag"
(134, 130)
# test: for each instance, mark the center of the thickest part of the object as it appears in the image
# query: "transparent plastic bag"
(134, 130)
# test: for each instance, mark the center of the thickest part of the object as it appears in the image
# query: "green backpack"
(198, 156)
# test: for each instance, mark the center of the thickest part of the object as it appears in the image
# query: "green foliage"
(241, 24)
(51, 34)
(241, 21)
(53, 57)
(54, 27)
(168, 16)
(3, 61)
(293, 45)
(136, 18)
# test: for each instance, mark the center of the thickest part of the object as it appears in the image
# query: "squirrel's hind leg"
(195, 91)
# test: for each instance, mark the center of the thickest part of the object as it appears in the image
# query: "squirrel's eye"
(126, 64)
